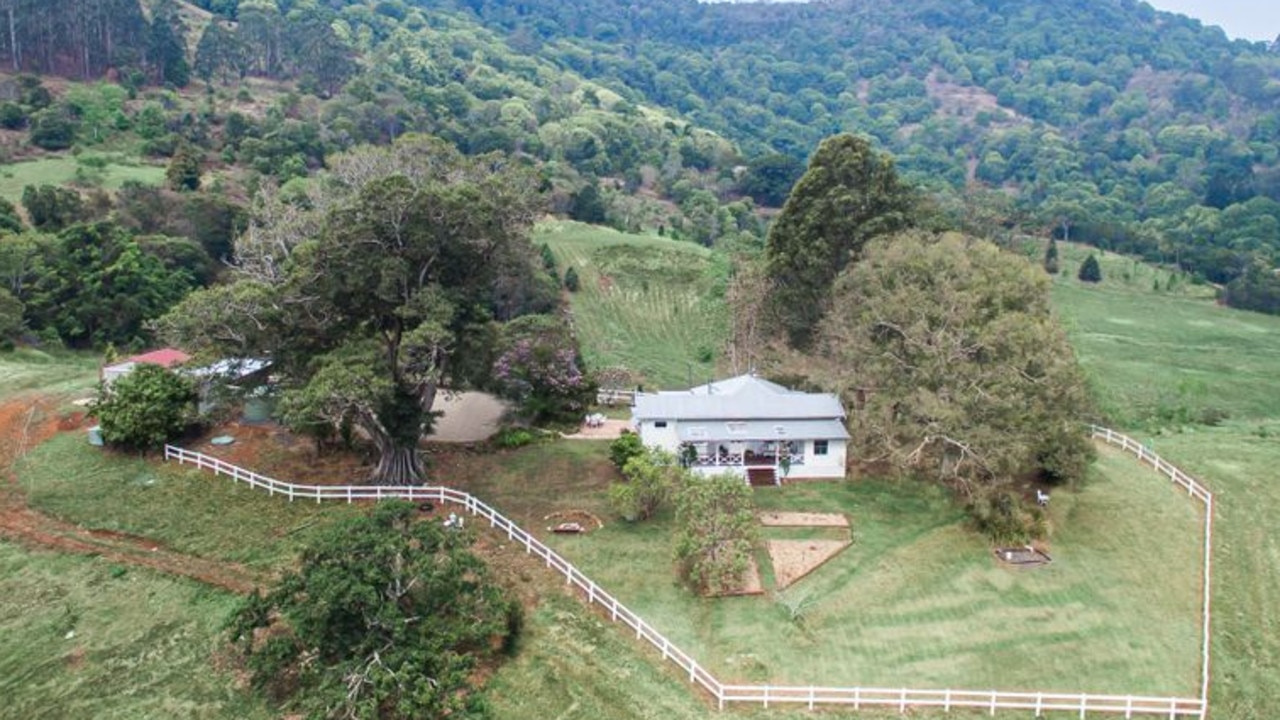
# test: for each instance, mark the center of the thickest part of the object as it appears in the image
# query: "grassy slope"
(58, 373)
(917, 600)
(188, 510)
(645, 303)
(60, 170)
(1142, 348)
(85, 639)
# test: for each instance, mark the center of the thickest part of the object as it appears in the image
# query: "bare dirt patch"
(609, 430)
(468, 417)
(793, 559)
(803, 519)
(586, 522)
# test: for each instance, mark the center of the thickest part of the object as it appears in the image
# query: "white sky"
(1248, 19)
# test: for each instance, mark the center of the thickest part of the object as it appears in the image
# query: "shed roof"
(164, 357)
(745, 398)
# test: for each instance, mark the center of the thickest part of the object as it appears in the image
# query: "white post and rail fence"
(901, 699)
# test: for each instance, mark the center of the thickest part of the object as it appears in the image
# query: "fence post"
(946, 701)
(902, 702)
(810, 697)
(993, 703)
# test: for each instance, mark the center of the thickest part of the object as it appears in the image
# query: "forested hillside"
(1101, 121)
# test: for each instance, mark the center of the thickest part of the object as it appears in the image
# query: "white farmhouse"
(747, 426)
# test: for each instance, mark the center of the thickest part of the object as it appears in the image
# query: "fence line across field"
(902, 699)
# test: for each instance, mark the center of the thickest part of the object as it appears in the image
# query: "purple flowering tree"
(540, 368)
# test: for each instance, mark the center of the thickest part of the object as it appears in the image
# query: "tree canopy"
(849, 194)
(384, 290)
(146, 408)
(387, 616)
(966, 375)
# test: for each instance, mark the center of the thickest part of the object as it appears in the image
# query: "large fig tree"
(379, 289)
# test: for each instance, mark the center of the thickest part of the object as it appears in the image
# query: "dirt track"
(27, 421)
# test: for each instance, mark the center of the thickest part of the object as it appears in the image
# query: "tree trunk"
(398, 465)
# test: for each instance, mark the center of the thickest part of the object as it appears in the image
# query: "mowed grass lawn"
(646, 303)
(917, 600)
(61, 170)
(86, 639)
(1148, 351)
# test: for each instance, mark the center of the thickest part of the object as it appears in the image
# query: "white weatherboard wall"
(667, 438)
(830, 465)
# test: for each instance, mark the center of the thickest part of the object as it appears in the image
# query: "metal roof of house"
(781, 430)
(745, 398)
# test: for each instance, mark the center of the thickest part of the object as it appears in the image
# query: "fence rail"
(903, 699)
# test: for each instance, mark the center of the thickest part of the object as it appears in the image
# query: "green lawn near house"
(917, 600)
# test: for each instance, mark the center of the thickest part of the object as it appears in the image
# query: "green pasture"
(1157, 360)
(651, 305)
(108, 172)
(1157, 363)
(84, 638)
(61, 373)
(189, 510)
(917, 600)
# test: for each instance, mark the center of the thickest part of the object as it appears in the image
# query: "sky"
(1247, 19)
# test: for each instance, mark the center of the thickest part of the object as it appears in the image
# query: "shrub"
(571, 280)
(387, 616)
(650, 479)
(716, 530)
(627, 446)
(512, 438)
(1090, 271)
(145, 408)
(1003, 517)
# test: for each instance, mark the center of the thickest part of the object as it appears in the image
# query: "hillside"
(1107, 121)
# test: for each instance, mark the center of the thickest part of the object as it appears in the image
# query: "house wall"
(667, 438)
(830, 465)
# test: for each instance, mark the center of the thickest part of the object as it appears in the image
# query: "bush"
(571, 280)
(1002, 516)
(145, 408)
(387, 616)
(512, 438)
(716, 530)
(1090, 271)
(650, 479)
(627, 446)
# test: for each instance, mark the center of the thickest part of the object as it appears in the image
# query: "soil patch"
(793, 559)
(803, 519)
(468, 417)
(609, 430)
(564, 521)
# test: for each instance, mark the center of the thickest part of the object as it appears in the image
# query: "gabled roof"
(164, 357)
(745, 397)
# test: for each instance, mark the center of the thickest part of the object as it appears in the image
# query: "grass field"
(57, 373)
(83, 638)
(917, 599)
(189, 511)
(61, 170)
(651, 305)
(1156, 361)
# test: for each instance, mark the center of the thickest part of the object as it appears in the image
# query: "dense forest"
(1101, 121)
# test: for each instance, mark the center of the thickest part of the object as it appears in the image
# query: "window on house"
(659, 423)
(697, 432)
(819, 447)
(736, 428)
